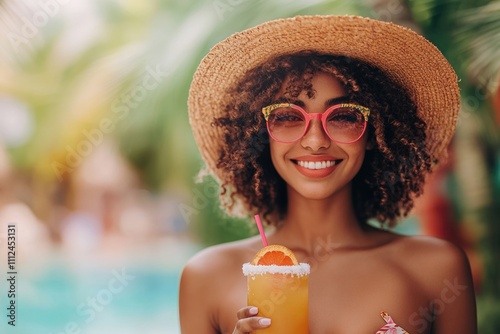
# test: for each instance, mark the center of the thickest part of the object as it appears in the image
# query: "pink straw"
(261, 230)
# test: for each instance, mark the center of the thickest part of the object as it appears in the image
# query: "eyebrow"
(337, 100)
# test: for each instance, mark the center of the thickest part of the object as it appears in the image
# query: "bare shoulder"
(215, 265)
(213, 259)
(436, 263)
(207, 278)
(441, 271)
(431, 253)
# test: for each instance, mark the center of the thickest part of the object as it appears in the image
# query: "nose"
(315, 137)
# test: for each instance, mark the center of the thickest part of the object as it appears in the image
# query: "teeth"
(316, 164)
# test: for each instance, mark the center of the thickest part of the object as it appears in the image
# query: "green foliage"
(488, 315)
(479, 39)
(209, 222)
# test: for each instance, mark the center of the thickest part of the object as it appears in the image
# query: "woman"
(320, 124)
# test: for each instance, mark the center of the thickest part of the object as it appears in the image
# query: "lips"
(316, 166)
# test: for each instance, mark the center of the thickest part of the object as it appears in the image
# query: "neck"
(312, 222)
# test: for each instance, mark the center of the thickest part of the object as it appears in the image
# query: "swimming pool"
(128, 292)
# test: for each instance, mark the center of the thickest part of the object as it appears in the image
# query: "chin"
(320, 193)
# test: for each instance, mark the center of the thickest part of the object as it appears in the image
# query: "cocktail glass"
(281, 294)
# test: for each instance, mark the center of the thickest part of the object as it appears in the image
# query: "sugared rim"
(299, 270)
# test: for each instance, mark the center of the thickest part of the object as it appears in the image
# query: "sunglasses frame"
(266, 111)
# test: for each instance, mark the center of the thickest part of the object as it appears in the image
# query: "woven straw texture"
(405, 56)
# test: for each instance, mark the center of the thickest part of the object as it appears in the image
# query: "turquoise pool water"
(124, 294)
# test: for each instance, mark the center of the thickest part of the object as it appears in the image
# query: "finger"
(247, 312)
(250, 324)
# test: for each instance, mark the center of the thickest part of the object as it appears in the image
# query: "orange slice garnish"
(275, 254)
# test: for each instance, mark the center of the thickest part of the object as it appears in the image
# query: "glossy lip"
(316, 173)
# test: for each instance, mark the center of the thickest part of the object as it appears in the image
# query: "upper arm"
(195, 307)
(452, 298)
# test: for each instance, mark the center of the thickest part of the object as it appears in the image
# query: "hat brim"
(405, 56)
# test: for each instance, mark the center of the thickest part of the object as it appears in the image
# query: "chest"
(347, 299)
(352, 302)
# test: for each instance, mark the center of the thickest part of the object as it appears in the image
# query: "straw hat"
(408, 58)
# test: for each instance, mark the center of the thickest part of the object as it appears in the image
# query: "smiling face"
(315, 167)
(398, 151)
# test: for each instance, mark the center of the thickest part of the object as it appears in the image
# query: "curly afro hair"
(395, 164)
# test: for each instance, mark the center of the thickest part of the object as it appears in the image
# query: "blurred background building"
(97, 160)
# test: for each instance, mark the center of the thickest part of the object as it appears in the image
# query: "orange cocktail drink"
(281, 293)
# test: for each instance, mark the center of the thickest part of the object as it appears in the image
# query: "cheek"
(278, 154)
(356, 153)
(358, 161)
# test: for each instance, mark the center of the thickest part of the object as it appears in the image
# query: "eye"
(286, 115)
(346, 115)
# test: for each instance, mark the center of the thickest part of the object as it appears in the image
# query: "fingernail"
(253, 310)
(265, 322)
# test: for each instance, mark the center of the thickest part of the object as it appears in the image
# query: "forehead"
(326, 86)
(319, 86)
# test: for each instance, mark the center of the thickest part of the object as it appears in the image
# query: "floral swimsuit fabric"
(390, 327)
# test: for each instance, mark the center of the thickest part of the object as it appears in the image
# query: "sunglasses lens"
(345, 124)
(286, 124)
